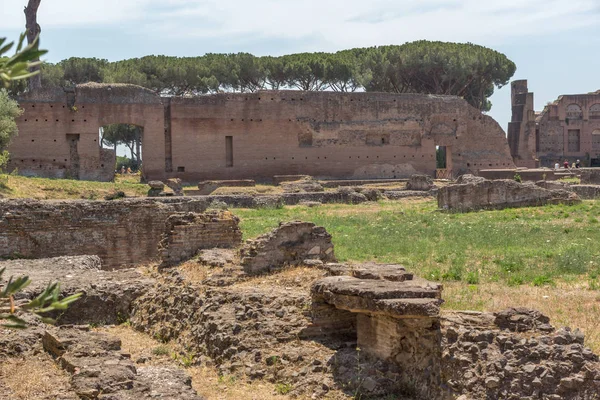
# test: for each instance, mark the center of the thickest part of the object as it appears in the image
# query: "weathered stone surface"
(553, 185)
(278, 179)
(589, 176)
(397, 320)
(207, 187)
(158, 185)
(403, 194)
(515, 353)
(474, 193)
(420, 182)
(156, 189)
(288, 244)
(175, 185)
(187, 233)
(121, 233)
(307, 184)
(107, 295)
(586, 192)
(101, 370)
(217, 257)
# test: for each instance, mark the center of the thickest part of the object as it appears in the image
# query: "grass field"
(16, 186)
(542, 257)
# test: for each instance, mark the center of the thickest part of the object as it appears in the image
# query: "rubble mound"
(288, 244)
(515, 354)
(475, 193)
(99, 369)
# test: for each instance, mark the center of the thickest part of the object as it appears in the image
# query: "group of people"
(566, 165)
(125, 170)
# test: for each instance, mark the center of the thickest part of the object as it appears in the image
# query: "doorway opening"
(440, 157)
(126, 141)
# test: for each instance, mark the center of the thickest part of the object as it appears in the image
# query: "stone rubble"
(99, 369)
(288, 244)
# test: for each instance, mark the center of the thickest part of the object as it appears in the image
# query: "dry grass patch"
(247, 190)
(211, 385)
(139, 344)
(567, 304)
(195, 272)
(296, 277)
(15, 186)
(36, 378)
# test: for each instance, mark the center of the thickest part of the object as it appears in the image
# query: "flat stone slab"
(400, 299)
(389, 272)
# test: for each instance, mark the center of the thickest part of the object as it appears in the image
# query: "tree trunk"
(33, 31)
(138, 142)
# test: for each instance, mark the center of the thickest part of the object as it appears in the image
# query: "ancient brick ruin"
(369, 328)
(256, 135)
(126, 232)
(568, 128)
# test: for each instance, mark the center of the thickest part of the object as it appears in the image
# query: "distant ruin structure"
(567, 129)
(257, 135)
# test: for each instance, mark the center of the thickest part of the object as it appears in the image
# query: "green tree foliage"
(466, 70)
(45, 302)
(125, 134)
(17, 67)
(9, 111)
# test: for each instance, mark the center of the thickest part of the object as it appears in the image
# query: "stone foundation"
(124, 232)
(475, 193)
(290, 243)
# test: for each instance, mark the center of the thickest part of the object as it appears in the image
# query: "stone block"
(289, 244)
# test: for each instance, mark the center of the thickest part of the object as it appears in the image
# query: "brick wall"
(323, 134)
(120, 232)
(186, 233)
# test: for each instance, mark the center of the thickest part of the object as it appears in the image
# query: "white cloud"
(341, 23)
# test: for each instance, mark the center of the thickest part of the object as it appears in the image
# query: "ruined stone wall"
(59, 131)
(186, 233)
(567, 129)
(121, 233)
(258, 135)
(521, 128)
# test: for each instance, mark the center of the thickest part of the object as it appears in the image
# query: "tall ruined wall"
(121, 232)
(58, 131)
(330, 135)
(257, 135)
(522, 127)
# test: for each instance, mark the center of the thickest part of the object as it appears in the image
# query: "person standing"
(566, 164)
(578, 164)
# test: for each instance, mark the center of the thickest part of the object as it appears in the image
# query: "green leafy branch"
(45, 302)
(18, 66)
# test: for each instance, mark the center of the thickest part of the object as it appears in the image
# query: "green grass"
(535, 245)
(15, 186)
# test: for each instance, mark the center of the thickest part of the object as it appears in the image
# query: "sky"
(554, 43)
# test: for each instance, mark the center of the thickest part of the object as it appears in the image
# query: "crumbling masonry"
(256, 135)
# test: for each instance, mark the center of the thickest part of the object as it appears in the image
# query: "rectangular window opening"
(180, 169)
(229, 151)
